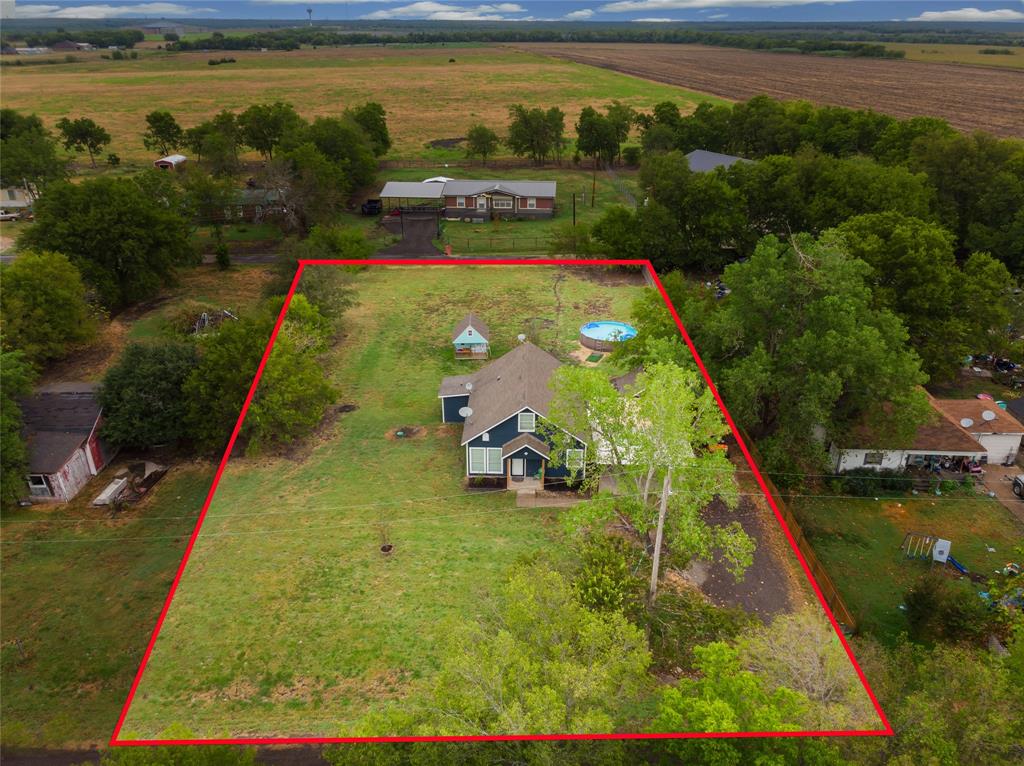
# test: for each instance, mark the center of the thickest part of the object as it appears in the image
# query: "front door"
(518, 466)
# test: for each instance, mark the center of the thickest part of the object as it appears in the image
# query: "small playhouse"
(470, 338)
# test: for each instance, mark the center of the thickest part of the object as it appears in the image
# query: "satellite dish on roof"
(522, 337)
(465, 412)
(469, 385)
(966, 422)
(988, 415)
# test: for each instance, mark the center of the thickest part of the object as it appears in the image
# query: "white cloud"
(105, 11)
(582, 13)
(970, 14)
(719, 16)
(658, 20)
(629, 6)
(433, 11)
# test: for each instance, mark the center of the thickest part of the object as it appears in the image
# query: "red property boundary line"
(116, 741)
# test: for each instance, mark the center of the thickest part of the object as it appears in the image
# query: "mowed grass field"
(289, 620)
(81, 593)
(858, 541)
(426, 95)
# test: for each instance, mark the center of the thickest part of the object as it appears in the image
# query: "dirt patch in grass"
(405, 433)
(612, 276)
(446, 143)
(90, 362)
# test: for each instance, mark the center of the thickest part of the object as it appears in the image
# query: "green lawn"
(858, 540)
(79, 603)
(289, 621)
(528, 237)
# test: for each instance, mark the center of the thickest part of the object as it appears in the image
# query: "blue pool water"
(605, 330)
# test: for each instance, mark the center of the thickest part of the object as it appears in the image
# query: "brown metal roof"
(525, 440)
(509, 384)
(477, 324)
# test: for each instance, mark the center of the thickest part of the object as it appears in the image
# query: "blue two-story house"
(501, 407)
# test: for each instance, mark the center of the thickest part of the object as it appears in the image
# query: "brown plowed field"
(971, 98)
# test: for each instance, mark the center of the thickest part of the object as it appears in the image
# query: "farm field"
(288, 620)
(970, 98)
(951, 53)
(858, 540)
(427, 96)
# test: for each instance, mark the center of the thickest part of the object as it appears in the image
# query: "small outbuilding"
(171, 162)
(470, 338)
(61, 428)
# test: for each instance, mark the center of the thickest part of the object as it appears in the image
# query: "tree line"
(101, 38)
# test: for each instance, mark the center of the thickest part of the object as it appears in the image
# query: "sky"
(524, 10)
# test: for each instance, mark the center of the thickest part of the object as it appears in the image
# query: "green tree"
(312, 186)
(221, 254)
(538, 662)
(345, 143)
(728, 698)
(141, 395)
(667, 471)
(83, 134)
(163, 133)
(801, 354)
(216, 389)
(16, 378)
(328, 288)
(28, 153)
(372, 118)
(481, 142)
(263, 126)
(596, 136)
(206, 195)
(126, 243)
(43, 306)
(536, 133)
(621, 117)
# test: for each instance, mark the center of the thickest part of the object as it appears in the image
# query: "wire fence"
(828, 588)
(463, 245)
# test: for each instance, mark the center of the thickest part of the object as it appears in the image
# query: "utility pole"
(593, 183)
(574, 209)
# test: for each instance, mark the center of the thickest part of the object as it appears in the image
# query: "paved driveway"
(999, 479)
(418, 239)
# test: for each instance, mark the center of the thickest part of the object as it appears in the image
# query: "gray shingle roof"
(515, 188)
(510, 383)
(702, 161)
(525, 440)
(472, 320)
(55, 425)
(454, 385)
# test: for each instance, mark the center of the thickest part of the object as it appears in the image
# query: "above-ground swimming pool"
(603, 335)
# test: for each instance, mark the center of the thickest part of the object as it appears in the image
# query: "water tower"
(309, 12)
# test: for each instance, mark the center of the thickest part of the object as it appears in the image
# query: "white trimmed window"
(494, 460)
(502, 203)
(485, 437)
(574, 459)
(460, 202)
(485, 460)
(37, 481)
(527, 422)
(531, 203)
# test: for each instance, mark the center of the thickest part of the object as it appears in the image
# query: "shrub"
(939, 609)
(604, 580)
(681, 620)
(631, 155)
(865, 482)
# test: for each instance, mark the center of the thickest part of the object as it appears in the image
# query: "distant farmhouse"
(959, 432)
(61, 428)
(474, 200)
(702, 161)
(71, 45)
(14, 198)
(501, 407)
(163, 29)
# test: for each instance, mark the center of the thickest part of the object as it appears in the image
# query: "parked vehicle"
(372, 207)
(1018, 485)
(6, 215)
